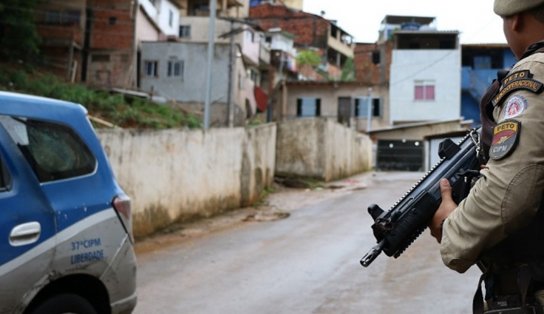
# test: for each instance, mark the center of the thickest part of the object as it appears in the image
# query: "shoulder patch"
(505, 139)
(515, 105)
(520, 80)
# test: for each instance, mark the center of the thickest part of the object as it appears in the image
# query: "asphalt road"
(308, 262)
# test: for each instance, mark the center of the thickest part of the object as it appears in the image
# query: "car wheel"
(65, 304)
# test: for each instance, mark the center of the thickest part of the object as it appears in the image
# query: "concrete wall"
(439, 66)
(177, 175)
(321, 148)
(418, 132)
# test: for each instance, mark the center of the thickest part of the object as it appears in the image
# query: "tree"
(348, 70)
(309, 57)
(18, 36)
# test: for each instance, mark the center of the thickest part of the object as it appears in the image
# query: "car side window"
(5, 179)
(53, 151)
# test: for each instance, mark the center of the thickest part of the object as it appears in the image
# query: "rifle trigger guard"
(475, 137)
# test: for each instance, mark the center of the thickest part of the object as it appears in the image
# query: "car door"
(27, 228)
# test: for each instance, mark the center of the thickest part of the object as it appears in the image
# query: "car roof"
(17, 104)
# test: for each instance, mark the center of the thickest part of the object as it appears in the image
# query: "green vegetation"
(348, 71)
(309, 57)
(128, 112)
(312, 58)
(18, 36)
(299, 182)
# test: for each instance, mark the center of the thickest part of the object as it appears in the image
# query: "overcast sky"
(473, 18)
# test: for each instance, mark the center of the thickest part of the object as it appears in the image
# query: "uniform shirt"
(509, 193)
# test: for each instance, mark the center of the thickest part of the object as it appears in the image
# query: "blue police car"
(65, 223)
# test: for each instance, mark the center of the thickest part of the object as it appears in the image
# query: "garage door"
(401, 155)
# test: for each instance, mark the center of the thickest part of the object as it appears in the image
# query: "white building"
(425, 81)
(163, 13)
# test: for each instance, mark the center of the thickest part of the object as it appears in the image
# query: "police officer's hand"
(446, 207)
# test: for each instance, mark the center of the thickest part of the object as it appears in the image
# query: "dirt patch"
(261, 217)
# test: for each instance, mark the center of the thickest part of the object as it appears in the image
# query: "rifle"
(395, 230)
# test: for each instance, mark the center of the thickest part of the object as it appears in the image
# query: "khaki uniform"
(510, 191)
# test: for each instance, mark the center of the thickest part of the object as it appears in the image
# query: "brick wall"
(111, 60)
(365, 70)
(309, 29)
(113, 24)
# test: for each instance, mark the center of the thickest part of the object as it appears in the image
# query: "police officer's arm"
(510, 191)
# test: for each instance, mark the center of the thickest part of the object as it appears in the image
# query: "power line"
(430, 65)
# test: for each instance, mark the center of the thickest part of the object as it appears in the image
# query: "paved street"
(301, 255)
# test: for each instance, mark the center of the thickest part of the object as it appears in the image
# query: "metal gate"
(401, 155)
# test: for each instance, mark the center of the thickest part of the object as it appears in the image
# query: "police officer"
(500, 225)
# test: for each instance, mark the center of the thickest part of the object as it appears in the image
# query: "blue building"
(480, 63)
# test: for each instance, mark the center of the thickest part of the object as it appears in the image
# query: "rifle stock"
(396, 229)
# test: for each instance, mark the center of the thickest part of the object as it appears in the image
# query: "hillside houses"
(414, 77)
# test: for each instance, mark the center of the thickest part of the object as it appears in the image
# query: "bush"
(114, 108)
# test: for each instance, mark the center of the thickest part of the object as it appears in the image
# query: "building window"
(361, 107)
(175, 68)
(424, 90)
(69, 17)
(185, 31)
(151, 68)
(308, 107)
(198, 8)
(254, 76)
(100, 58)
(170, 18)
(113, 20)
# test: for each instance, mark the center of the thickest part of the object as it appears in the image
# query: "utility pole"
(211, 48)
(230, 106)
(369, 112)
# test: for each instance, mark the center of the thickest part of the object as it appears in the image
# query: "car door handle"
(25, 234)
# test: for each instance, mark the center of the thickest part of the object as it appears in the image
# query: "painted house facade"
(310, 31)
(425, 77)
(350, 103)
(175, 68)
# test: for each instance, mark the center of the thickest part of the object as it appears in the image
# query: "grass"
(126, 112)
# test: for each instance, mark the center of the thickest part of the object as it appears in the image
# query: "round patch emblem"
(515, 106)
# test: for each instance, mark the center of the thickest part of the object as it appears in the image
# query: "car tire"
(64, 304)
